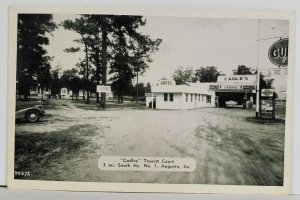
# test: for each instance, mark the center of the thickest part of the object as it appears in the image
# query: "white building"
(38, 92)
(66, 93)
(167, 95)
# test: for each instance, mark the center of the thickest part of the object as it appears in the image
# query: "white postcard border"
(147, 187)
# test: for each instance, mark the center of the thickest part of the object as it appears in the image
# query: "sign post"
(103, 89)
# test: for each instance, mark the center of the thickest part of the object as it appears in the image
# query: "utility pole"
(258, 75)
(137, 86)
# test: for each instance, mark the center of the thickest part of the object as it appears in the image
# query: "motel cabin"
(167, 95)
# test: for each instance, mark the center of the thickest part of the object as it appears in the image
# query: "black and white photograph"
(189, 100)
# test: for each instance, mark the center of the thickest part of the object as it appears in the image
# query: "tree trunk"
(42, 90)
(104, 61)
(87, 74)
(122, 95)
(97, 60)
(26, 94)
(119, 97)
(137, 86)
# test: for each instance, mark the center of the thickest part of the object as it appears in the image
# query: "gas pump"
(267, 104)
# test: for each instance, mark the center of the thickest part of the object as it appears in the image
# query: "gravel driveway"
(229, 146)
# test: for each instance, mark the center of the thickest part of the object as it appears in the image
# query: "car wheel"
(32, 116)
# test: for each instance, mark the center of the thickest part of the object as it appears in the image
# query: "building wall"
(180, 101)
(196, 102)
(162, 104)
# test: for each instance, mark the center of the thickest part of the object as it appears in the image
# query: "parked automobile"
(31, 111)
(231, 103)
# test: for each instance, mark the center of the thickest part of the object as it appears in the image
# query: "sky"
(193, 42)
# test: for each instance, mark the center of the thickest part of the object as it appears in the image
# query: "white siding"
(162, 104)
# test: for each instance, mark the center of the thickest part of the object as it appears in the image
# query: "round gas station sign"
(278, 52)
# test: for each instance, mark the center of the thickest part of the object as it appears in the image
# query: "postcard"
(150, 100)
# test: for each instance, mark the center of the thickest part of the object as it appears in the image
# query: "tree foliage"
(131, 51)
(115, 42)
(55, 83)
(243, 70)
(183, 75)
(202, 74)
(207, 74)
(85, 29)
(265, 82)
(33, 68)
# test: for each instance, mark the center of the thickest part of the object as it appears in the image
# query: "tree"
(43, 76)
(85, 29)
(265, 82)
(32, 60)
(55, 83)
(207, 74)
(148, 88)
(112, 41)
(131, 52)
(72, 81)
(243, 70)
(182, 76)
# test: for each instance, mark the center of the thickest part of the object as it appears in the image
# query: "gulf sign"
(278, 52)
(267, 92)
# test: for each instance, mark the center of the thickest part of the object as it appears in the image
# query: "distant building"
(38, 92)
(66, 93)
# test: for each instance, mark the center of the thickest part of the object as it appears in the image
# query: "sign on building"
(231, 86)
(103, 89)
(248, 79)
(249, 87)
(166, 82)
(278, 52)
(213, 87)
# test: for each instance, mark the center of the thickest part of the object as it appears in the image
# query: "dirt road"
(229, 146)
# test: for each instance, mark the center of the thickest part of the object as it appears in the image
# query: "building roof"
(195, 88)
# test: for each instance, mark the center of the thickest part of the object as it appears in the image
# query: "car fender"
(21, 114)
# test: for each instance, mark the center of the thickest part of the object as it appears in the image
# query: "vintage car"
(31, 111)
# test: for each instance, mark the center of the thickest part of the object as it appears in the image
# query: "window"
(198, 97)
(191, 97)
(202, 97)
(208, 99)
(195, 97)
(165, 96)
(171, 96)
(186, 97)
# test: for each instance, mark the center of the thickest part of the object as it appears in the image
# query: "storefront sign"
(248, 79)
(278, 52)
(213, 87)
(249, 87)
(103, 89)
(230, 87)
